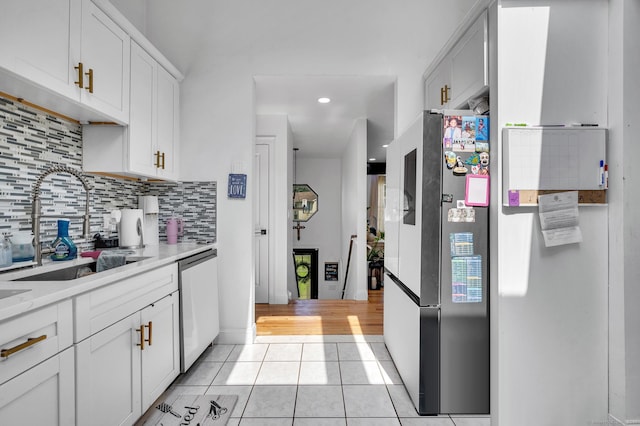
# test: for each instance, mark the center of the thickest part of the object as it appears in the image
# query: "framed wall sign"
(331, 271)
(237, 187)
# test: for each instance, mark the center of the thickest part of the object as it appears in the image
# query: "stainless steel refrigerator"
(436, 323)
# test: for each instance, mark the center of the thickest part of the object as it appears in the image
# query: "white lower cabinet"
(108, 375)
(42, 395)
(161, 358)
(122, 369)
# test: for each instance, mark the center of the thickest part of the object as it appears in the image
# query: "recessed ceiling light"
(385, 146)
(324, 100)
(372, 159)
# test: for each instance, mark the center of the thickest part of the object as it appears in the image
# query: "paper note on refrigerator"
(559, 218)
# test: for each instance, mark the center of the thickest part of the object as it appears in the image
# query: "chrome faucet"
(36, 207)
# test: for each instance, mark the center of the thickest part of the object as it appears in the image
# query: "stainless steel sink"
(69, 273)
(64, 274)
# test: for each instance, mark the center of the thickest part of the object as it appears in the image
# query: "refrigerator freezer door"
(464, 321)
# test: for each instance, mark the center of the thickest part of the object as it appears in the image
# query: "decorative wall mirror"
(305, 202)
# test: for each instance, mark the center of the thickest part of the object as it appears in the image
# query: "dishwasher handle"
(191, 261)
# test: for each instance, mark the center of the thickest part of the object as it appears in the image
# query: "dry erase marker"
(606, 176)
(601, 173)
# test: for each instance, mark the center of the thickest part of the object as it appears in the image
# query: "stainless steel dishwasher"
(199, 320)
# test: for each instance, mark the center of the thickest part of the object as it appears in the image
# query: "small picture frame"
(331, 271)
(477, 190)
(237, 187)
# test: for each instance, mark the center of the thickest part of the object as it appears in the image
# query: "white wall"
(135, 11)
(279, 37)
(624, 249)
(281, 260)
(323, 230)
(550, 321)
(354, 211)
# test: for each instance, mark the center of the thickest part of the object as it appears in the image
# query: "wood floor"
(318, 317)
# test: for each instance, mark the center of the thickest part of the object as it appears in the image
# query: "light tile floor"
(308, 381)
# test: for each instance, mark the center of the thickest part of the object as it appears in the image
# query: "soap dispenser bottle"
(63, 247)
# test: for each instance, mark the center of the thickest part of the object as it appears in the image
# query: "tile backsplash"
(31, 142)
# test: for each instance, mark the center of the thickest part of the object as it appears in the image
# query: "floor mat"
(194, 410)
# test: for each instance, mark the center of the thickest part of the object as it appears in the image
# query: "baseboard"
(613, 421)
(237, 336)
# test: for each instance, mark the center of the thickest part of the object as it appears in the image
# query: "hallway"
(322, 317)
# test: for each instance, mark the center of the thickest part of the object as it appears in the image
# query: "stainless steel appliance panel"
(429, 395)
(431, 188)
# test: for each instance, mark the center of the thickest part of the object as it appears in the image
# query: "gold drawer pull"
(90, 75)
(4, 353)
(150, 327)
(142, 339)
(80, 69)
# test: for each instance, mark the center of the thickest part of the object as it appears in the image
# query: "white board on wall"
(538, 158)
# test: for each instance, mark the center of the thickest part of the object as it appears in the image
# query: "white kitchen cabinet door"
(168, 110)
(438, 86)
(148, 147)
(161, 358)
(142, 118)
(108, 375)
(469, 64)
(42, 395)
(41, 42)
(105, 51)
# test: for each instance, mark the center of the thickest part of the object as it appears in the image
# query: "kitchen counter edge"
(43, 293)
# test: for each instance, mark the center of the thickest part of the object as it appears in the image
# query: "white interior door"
(261, 214)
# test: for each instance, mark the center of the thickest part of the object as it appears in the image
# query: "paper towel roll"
(131, 231)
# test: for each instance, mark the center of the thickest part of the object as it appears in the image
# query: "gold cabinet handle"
(80, 69)
(150, 327)
(447, 98)
(142, 339)
(157, 162)
(162, 161)
(4, 353)
(90, 75)
(442, 95)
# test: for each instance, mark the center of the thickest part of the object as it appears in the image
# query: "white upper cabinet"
(168, 114)
(149, 146)
(469, 63)
(463, 73)
(65, 55)
(438, 86)
(41, 43)
(105, 59)
(143, 120)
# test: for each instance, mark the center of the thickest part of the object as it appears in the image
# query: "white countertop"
(42, 293)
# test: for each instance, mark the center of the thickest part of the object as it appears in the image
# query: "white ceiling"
(323, 130)
(364, 54)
